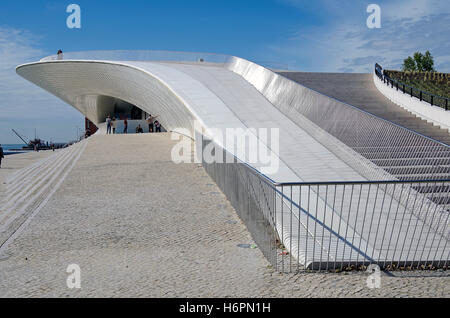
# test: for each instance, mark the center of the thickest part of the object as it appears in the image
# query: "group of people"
(153, 125)
(111, 124)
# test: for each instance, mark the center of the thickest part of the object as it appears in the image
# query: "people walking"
(108, 125)
(1, 155)
(114, 125)
(125, 126)
(150, 121)
(60, 55)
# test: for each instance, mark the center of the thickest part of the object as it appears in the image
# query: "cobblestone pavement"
(12, 163)
(139, 225)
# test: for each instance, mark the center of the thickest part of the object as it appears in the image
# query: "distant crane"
(31, 144)
(20, 136)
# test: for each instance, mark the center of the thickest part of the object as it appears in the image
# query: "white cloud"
(414, 9)
(23, 103)
(16, 94)
(345, 44)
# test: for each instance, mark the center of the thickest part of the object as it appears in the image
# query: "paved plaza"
(139, 225)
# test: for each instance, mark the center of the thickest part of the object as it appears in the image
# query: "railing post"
(446, 104)
(411, 92)
(403, 88)
(397, 85)
(431, 100)
(420, 95)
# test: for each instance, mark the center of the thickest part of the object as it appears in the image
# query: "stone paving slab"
(140, 226)
(12, 163)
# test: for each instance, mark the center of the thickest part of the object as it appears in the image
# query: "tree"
(418, 58)
(420, 62)
(428, 62)
(409, 65)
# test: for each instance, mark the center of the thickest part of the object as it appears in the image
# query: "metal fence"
(253, 197)
(340, 225)
(349, 225)
(432, 99)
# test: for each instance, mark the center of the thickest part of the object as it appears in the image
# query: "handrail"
(388, 80)
(284, 184)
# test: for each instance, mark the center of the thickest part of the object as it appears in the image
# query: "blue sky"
(321, 35)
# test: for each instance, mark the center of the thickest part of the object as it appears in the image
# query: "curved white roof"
(181, 92)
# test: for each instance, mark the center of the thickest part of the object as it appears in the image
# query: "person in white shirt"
(114, 125)
(150, 121)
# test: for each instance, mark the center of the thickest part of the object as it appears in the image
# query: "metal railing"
(340, 225)
(349, 225)
(432, 99)
(253, 197)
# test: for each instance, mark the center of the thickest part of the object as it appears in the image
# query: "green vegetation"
(432, 82)
(420, 62)
(419, 73)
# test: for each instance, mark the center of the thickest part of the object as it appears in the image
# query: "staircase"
(360, 91)
(29, 189)
(406, 158)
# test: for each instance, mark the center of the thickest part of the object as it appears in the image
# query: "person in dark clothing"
(1, 155)
(125, 126)
(108, 125)
(157, 127)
